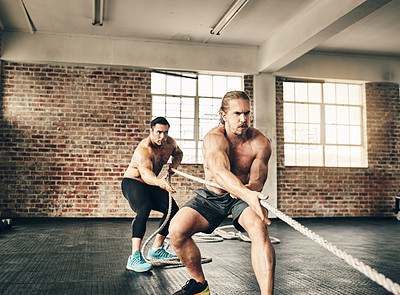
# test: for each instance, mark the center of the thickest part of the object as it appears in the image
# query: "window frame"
(197, 97)
(323, 125)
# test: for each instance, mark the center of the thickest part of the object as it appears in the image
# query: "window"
(190, 102)
(324, 124)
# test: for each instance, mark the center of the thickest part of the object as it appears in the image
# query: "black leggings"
(143, 198)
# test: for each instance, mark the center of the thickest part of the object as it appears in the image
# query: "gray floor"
(88, 256)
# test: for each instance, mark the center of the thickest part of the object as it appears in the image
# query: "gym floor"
(88, 256)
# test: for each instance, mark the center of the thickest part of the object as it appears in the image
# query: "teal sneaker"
(159, 253)
(137, 263)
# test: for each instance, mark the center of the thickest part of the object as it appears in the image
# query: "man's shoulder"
(219, 130)
(258, 138)
(216, 133)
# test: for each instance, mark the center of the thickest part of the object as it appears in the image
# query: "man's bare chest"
(241, 159)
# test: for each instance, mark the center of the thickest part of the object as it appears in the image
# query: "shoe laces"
(138, 259)
(161, 252)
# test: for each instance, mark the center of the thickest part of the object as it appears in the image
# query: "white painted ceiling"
(190, 21)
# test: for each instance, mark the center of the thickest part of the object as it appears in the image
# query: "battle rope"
(360, 266)
(166, 261)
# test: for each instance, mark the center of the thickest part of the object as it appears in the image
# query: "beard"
(241, 129)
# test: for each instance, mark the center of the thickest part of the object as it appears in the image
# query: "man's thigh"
(188, 221)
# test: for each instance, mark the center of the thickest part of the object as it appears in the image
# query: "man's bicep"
(259, 169)
(144, 159)
(214, 153)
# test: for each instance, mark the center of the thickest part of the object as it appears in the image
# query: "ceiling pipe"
(93, 12)
(101, 12)
(228, 16)
(28, 18)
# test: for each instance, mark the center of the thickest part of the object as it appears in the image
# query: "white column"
(265, 121)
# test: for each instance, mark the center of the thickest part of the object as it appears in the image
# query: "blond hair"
(227, 98)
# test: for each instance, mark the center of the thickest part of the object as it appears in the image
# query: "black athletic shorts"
(215, 208)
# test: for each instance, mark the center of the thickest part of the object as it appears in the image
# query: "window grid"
(310, 105)
(206, 93)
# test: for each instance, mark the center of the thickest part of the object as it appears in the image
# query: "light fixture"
(97, 12)
(228, 16)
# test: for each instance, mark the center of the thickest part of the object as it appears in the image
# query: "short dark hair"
(159, 120)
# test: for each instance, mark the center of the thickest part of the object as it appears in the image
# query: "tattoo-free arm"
(259, 167)
(145, 167)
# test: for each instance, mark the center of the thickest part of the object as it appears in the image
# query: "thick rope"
(166, 261)
(360, 266)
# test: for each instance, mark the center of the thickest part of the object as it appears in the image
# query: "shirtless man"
(236, 157)
(145, 191)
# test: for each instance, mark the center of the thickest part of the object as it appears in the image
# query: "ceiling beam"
(320, 21)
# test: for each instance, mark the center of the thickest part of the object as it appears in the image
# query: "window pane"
(187, 128)
(330, 114)
(219, 86)
(175, 130)
(316, 155)
(288, 91)
(200, 152)
(330, 134)
(158, 106)
(188, 86)
(300, 90)
(355, 135)
(302, 155)
(331, 156)
(342, 115)
(288, 112)
(329, 93)
(356, 156)
(344, 156)
(189, 148)
(302, 133)
(301, 113)
(355, 94)
(205, 85)
(187, 107)
(205, 126)
(289, 132)
(355, 115)
(173, 106)
(173, 85)
(343, 134)
(157, 83)
(314, 113)
(342, 95)
(234, 83)
(290, 154)
(209, 108)
(314, 92)
(314, 133)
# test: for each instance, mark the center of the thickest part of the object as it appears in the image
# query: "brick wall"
(67, 134)
(248, 88)
(321, 192)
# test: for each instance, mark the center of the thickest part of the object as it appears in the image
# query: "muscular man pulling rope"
(236, 157)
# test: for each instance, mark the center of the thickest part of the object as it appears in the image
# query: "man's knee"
(176, 231)
(254, 226)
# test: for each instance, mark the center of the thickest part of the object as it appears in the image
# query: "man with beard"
(236, 158)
